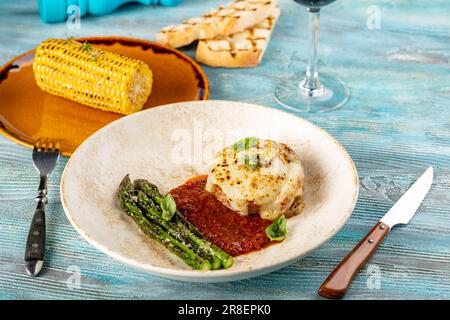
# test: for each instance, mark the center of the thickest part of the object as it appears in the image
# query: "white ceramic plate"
(170, 144)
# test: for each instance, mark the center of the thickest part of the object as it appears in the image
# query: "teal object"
(59, 10)
(395, 125)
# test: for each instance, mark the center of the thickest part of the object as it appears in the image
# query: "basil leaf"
(168, 206)
(251, 142)
(277, 230)
(245, 144)
(252, 161)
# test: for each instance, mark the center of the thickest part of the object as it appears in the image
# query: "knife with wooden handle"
(338, 282)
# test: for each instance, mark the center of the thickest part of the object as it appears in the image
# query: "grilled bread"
(223, 21)
(239, 50)
(91, 76)
(258, 176)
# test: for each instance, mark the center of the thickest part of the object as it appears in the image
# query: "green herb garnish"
(69, 39)
(277, 230)
(86, 46)
(168, 206)
(253, 160)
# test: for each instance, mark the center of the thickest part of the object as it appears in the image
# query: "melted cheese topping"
(266, 177)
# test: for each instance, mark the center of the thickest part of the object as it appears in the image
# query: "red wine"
(315, 4)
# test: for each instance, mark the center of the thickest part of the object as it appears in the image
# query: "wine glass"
(314, 93)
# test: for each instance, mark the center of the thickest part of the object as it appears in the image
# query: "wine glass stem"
(311, 84)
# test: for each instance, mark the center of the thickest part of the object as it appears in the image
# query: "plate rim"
(5, 69)
(224, 275)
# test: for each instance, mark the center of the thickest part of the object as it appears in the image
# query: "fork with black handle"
(45, 157)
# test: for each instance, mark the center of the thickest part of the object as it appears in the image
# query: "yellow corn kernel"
(93, 77)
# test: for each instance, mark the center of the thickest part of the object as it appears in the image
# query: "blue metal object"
(59, 10)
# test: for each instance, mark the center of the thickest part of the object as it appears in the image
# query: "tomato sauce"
(234, 233)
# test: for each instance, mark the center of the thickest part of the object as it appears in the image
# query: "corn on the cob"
(91, 76)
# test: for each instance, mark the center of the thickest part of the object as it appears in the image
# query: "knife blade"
(338, 282)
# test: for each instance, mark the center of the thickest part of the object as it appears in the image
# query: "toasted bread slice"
(239, 50)
(223, 21)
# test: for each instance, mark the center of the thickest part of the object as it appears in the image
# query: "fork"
(45, 157)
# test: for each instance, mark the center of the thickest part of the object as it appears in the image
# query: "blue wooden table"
(395, 125)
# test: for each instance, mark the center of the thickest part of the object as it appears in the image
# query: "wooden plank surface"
(395, 125)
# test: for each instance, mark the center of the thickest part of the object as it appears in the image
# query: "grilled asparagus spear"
(126, 197)
(177, 230)
(184, 226)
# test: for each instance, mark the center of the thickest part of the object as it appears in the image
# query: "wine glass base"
(290, 95)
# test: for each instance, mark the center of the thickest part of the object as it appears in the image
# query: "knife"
(338, 282)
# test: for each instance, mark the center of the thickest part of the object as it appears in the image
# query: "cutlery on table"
(337, 283)
(45, 157)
